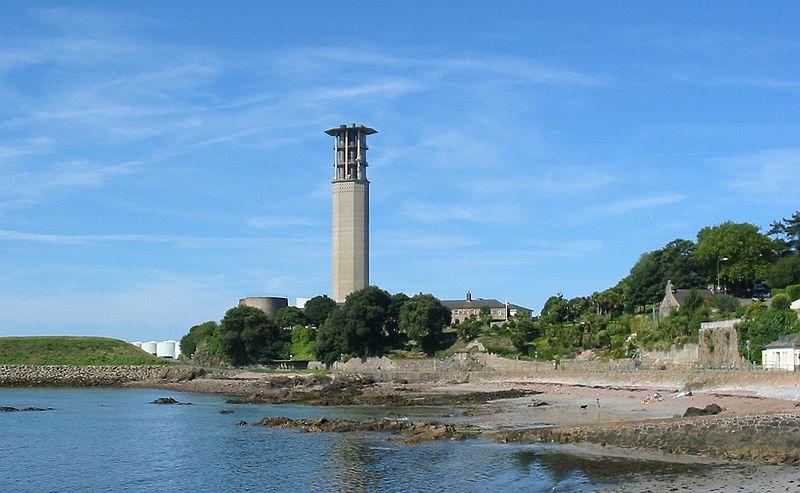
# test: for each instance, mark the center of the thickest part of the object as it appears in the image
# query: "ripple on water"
(116, 440)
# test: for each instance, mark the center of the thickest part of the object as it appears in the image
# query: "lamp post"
(723, 259)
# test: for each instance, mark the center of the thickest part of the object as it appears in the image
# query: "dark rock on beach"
(709, 410)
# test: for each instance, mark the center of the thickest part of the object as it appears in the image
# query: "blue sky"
(160, 160)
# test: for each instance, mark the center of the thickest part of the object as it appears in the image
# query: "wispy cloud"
(434, 213)
(626, 206)
(555, 181)
(522, 69)
(274, 222)
(770, 173)
(758, 81)
(23, 187)
(400, 243)
(433, 66)
(183, 241)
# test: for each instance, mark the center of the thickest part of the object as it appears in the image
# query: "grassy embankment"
(64, 350)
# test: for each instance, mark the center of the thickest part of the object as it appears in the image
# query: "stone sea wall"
(770, 438)
(82, 376)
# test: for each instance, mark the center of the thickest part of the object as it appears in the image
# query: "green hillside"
(64, 350)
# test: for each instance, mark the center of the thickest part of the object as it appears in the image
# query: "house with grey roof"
(463, 309)
(674, 298)
(783, 354)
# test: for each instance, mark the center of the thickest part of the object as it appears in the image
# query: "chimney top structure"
(350, 210)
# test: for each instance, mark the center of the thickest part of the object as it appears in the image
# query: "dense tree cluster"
(372, 321)
(613, 322)
(369, 323)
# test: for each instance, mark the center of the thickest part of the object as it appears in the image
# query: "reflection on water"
(560, 467)
(115, 440)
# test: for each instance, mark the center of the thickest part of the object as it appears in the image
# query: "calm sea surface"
(100, 440)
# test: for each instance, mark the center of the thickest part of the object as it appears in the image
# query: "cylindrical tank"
(268, 304)
(165, 349)
(137, 344)
(177, 349)
(149, 347)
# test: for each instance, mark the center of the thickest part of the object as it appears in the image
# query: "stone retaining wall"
(771, 438)
(79, 376)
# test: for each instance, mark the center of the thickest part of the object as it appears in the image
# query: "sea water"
(116, 440)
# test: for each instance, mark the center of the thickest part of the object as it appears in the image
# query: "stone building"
(674, 298)
(462, 309)
(350, 210)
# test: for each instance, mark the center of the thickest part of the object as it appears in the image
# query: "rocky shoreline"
(413, 431)
(91, 376)
(749, 427)
(771, 438)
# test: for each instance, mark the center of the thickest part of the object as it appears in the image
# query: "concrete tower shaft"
(350, 210)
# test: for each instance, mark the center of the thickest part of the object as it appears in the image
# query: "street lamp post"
(723, 259)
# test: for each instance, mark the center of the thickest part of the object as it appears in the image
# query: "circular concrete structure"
(267, 304)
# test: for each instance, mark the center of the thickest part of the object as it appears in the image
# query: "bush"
(793, 291)
(780, 302)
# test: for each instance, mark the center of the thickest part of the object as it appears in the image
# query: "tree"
(247, 335)
(555, 310)
(726, 305)
(198, 336)
(523, 332)
(784, 272)
(331, 341)
(318, 308)
(765, 328)
(394, 334)
(469, 328)
(740, 251)
(356, 329)
(422, 319)
(290, 316)
(612, 301)
(648, 277)
(791, 232)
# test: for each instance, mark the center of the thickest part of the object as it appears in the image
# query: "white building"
(783, 354)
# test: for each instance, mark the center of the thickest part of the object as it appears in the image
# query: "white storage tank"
(149, 347)
(165, 349)
(137, 344)
(177, 349)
